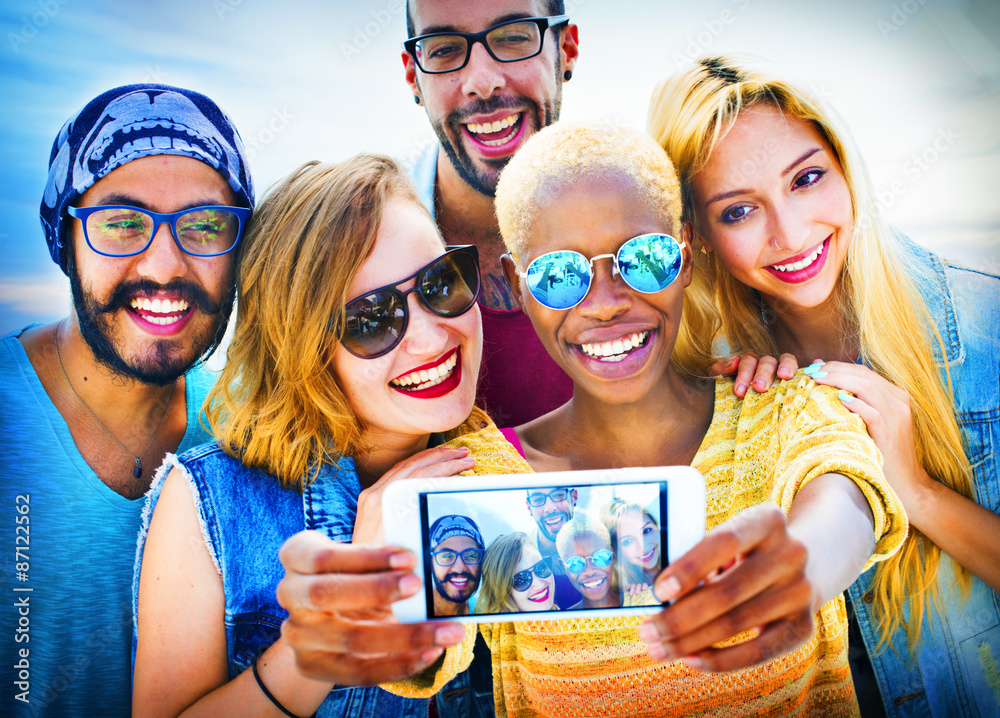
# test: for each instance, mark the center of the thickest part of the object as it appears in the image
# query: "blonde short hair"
(564, 153)
(580, 526)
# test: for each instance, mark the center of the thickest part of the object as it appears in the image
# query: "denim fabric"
(246, 516)
(954, 673)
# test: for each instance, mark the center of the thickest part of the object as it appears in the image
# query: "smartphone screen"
(543, 549)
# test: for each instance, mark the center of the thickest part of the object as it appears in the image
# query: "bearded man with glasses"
(490, 75)
(456, 561)
(551, 509)
(147, 197)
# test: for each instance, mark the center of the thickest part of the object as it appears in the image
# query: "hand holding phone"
(340, 623)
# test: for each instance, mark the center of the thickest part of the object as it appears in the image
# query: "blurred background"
(917, 81)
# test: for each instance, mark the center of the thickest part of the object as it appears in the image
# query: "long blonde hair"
(499, 566)
(277, 404)
(882, 310)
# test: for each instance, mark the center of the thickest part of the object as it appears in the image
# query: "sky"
(917, 81)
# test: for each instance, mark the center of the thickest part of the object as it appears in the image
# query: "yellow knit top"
(762, 448)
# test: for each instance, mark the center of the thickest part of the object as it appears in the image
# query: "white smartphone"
(543, 546)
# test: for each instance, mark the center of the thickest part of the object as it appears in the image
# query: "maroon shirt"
(518, 380)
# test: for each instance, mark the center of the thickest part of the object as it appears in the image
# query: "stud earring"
(568, 75)
(416, 98)
(704, 249)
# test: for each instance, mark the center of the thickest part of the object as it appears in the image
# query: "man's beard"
(485, 181)
(166, 363)
(471, 588)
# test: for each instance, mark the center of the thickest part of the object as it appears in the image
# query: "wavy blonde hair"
(499, 566)
(562, 154)
(277, 405)
(690, 112)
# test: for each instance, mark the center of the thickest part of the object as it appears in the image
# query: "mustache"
(486, 106)
(179, 289)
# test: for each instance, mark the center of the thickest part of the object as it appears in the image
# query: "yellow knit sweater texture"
(760, 449)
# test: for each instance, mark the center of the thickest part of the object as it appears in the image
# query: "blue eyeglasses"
(648, 263)
(124, 231)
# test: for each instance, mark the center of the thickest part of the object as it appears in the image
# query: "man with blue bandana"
(456, 563)
(147, 196)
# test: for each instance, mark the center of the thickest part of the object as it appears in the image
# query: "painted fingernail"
(819, 374)
(845, 397)
(693, 662)
(668, 588)
(449, 635)
(649, 634)
(408, 584)
(812, 368)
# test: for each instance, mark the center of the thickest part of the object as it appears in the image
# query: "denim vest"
(955, 671)
(246, 516)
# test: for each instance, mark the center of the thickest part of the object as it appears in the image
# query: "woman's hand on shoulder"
(749, 573)
(429, 463)
(759, 373)
(340, 623)
(885, 409)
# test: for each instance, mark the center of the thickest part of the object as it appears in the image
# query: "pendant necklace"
(137, 471)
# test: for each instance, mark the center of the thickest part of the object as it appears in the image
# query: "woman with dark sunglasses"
(356, 347)
(516, 578)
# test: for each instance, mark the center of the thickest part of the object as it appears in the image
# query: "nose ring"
(775, 243)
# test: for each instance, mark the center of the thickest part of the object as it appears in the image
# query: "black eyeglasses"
(124, 231)
(556, 495)
(448, 287)
(447, 557)
(440, 52)
(521, 581)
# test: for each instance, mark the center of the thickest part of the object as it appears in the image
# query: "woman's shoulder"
(493, 453)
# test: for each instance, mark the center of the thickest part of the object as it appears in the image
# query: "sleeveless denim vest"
(955, 671)
(246, 516)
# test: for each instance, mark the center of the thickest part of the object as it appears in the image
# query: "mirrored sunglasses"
(446, 557)
(448, 287)
(600, 559)
(648, 263)
(521, 580)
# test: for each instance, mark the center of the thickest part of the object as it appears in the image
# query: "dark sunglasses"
(600, 559)
(448, 287)
(648, 263)
(521, 580)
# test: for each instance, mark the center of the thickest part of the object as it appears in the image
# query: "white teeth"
(593, 584)
(158, 306)
(427, 378)
(801, 264)
(478, 129)
(617, 349)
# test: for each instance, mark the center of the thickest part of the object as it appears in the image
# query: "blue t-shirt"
(67, 596)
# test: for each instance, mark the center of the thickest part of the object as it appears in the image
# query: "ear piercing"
(416, 98)
(568, 75)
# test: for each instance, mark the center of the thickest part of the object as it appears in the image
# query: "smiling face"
(639, 540)
(151, 316)
(456, 583)
(780, 219)
(385, 394)
(551, 515)
(616, 343)
(594, 582)
(541, 594)
(484, 112)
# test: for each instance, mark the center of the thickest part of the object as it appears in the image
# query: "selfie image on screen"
(558, 548)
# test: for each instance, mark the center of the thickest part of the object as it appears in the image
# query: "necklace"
(137, 471)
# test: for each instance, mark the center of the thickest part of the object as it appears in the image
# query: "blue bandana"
(125, 124)
(454, 525)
